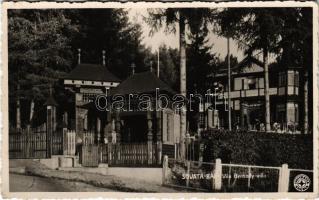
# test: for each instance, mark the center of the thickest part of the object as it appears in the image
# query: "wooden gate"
(57, 143)
(90, 155)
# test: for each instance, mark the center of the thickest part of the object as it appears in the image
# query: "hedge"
(258, 148)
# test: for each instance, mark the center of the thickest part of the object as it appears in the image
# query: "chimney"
(103, 58)
(79, 56)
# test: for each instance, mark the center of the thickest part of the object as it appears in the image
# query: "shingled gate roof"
(91, 72)
(144, 82)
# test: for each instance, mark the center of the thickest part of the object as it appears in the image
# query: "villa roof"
(144, 82)
(92, 72)
(246, 62)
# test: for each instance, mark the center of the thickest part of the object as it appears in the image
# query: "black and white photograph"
(161, 98)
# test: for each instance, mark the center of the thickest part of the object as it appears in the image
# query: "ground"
(24, 183)
(36, 177)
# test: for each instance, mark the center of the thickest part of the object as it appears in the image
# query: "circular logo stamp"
(302, 182)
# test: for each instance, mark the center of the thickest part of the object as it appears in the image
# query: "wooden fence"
(34, 143)
(69, 142)
(28, 143)
(223, 177)
(131, 155)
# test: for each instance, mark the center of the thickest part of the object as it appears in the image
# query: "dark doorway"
(135, 129)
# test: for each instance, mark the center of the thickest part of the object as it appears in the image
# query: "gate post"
(283, 182)
(65, 140)
(28, 143)
(149, 137)
(159, 137)
(165, 168)
(188, 165)
(217, 178)
(51, 111)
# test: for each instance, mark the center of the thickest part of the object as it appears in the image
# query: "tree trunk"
(266, 91)
(18, 117)
(182, 46)
(31, 111)
(306, 103)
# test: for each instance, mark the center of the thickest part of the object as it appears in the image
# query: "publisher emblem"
(302, 182)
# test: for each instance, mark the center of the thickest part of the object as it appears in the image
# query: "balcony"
(248, 93)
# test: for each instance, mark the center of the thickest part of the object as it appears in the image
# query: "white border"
(43, 5)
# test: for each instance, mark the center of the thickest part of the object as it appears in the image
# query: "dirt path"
(23, 183)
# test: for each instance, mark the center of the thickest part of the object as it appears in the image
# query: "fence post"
(188, 164)
(283, 182)
(73, 146)
(65, 140)
(164, 170)
(217, 178)
(28, 142)
(159, 138)
(149, 138)
(200, 156)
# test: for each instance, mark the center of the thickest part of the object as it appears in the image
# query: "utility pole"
(229, 86)
(158, 68)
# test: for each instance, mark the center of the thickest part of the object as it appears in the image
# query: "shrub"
(258, 148)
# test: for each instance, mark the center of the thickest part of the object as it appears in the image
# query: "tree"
(201, 62)
(168, 65)
(286, 32)
(109, 30)
(39, 54)
(197, 20)
(296, 52)
(256, 29)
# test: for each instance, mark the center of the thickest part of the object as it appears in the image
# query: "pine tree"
(39, 54)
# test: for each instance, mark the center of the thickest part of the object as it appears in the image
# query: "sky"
(172, 40)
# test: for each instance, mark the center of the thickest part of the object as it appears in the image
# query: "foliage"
(43, 48)
(169, 62)
(109, 30)
(256, 148)
(196, 18)
(283, 31)
(200, 62)
(39, 50)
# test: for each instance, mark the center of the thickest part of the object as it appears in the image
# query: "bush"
(258, 148)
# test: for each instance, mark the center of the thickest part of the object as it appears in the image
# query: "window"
(291, 78)
(237, 84)
(88, 97)
(201, 120)
(282, 79)
(297, 79)
(252, 83)
(281, 113)
(261, 83)
(237, 105)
